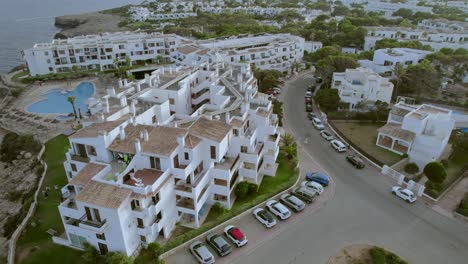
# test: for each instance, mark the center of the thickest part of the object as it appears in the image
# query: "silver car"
(201, 253)
(293, 202)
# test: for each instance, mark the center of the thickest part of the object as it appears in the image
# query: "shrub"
(411, 168)
(445, 163)
(91, 255)
(435, 172)
(13, 144)
(155, 249)
(244, 188)
(118, 258)
(377, 255)
(13, 196)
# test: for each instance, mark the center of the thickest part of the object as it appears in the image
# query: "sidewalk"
(450, 201)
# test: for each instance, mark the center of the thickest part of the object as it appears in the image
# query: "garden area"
(365, 254)
(362, 136)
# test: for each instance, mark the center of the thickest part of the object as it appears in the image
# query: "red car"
(235, 235)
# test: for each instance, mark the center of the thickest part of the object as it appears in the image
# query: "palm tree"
(71, 100)
(287, 140)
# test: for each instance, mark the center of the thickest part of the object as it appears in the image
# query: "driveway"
(362, 211)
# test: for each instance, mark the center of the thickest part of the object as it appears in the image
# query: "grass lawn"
(456, 165)
(18, 75)
(35, 245)
(364, 135)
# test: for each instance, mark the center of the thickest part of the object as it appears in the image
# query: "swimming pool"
(56, 100)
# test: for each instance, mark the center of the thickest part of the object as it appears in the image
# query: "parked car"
(338, 145)
(304, 194)
(311, 116)
(311, 88)
(314, 186)
(318, 177)
(235, 235)
(308, 100)
(308, 94)
(219, 244)
(326, 135)
(277, 90)
(264, 217)
(293, 202)
(318, 80)
(404, 194)
(278, 209)
(317, 124)
(356, 161)
(309, 108)
(201, 253)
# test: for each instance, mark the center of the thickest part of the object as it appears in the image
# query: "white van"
(338, 145)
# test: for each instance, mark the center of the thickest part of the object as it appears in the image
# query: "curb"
(32, 209)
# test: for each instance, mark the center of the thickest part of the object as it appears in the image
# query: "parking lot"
(256, 233)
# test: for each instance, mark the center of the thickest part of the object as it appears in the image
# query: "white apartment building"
(422, 132)
(442, 24)
(267, 51)
(138, 13)
(385, 60)
(163, 150)
(98, 51)
(362, 85)
(389, 8)
(437, 39)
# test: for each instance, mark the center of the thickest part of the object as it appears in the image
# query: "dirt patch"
(353, 254)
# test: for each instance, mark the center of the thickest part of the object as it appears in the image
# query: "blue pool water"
(56, 100)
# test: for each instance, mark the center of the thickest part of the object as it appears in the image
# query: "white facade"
(98, 51)
(266, 51)
(385, 60)
(362, 85)
(437, 39)
(162, 150)
(422, 132)
(389, 8)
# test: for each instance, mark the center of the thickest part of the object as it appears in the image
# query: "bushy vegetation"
(463, 207)
(328, 99)
(380, 256)
(411, 168)
(278, 110)
(435, 172)
(13, 144)
(245, 188)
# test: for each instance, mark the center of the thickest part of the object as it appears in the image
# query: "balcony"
(227, 163)
(92, 224)
(186, 203)
(78, 158)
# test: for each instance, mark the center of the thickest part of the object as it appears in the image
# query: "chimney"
(145, 135)
(137, 146)
(228, 117)
(239, 78)
(138, 87)
(133, 107)
(147, 78)
(120, 83)
(122, 133)
(107, 105)
(123, 101)
(181, 140)
(125, 82)
(244, 107)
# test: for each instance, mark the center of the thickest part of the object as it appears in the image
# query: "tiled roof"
(127, 145)
(162, 140)
(191, 141)
(94, 129)
(399, 111)
(210, 129)
(104, 195)
(396, 131)
(87, 173)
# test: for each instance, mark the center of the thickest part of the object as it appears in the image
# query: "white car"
(277, 90)
(338, 145)
(278, 209)
(326, 135)
(314, 186)
(293, 202)
(264, 217)
(317, 124)
(202, 253)
(235, 235)
(404, 194)
(308, 94)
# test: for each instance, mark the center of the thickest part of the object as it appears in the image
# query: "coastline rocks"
(87, 23)
(65, 22)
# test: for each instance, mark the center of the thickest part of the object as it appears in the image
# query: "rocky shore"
(88, 23)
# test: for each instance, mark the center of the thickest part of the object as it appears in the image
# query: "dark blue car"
(319, 177)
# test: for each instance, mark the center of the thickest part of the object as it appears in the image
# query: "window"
(155, 163)
(143, 239)
(235, 132)
(155, 198)
(88, 213)
(103, 248)
(46, 53)
(97, 215)
(171, 101)
(73, 166)
(244, 149)
(140, 222)
(101, 236)
(153, 119)
(186, 156)
(213, 152)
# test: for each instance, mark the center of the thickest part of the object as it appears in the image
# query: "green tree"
(400, 73)
(435, 172)
(287, 139)
(71, 100)
(421, 77)
(118, 258)
(91, 255)
(404, 13)
(242, 189)
(411, 168)
(323, 53)
(328, 99)
(326, 67)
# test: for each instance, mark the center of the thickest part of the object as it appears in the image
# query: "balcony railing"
(79, 158)
(186, 203)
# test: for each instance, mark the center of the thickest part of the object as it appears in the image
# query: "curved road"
(362, 210)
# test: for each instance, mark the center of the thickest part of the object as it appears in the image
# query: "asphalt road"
(360, 209)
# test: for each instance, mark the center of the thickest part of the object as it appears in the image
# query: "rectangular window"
(101, 236)
(244, 149)
(140, 222)
(103, 248)
(143, 239)
(73, 166)
(186, 156)
(155, 198)
(171, 101)
(155, 163)
(97, 215)
(176, 161)
(213, 152)
(88, 213)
